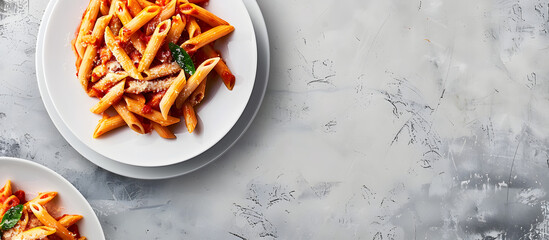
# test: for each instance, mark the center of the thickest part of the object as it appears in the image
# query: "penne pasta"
(137, 87)
(221, 68)
(5, 191)
(193, 28)
(87, 24)
(108, 124)
(161, 70)
(109, 80)
(128, 117)
(98, 72)
(138, 21)
(45, 218)
(84, 73)
(199, 93)
(134, 7)
(155, 116)
(163, 132)
(104, 7)
(10, 202)
(124, 15)
(198, 1)
(207, 37)
(154, 44)
(171, 94)
(35, 233)
(193, 82)
(190, 116)
(145, 3)
(138, 97)
(178, 25)
(202, 14)
(69, 220)
(120, 55)
(168, 11)
(22, 224)
(42, 198)
(114, 94)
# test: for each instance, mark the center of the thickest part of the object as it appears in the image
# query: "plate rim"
(168, 159)
(62, 179)
(190, 165)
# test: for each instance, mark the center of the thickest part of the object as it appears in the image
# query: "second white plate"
(216, 115)
(34, 178)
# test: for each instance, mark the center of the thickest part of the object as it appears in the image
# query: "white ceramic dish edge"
(192, 164)
(64, 188)
(217, 115)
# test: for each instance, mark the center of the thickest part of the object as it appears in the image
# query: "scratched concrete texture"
(394, 119)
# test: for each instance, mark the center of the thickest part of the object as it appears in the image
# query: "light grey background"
(393, 119)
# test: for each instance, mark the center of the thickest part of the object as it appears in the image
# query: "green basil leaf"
(182, 58)
(11, 217)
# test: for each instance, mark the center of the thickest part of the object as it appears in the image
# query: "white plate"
(189, 165)
(216, 115)
(34, 178)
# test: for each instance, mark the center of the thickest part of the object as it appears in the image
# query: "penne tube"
(84, 73)
(202, 14)
(190, 116)
(221, 68)
(155, 116)
(193, 82)
(108, 124)
(148, 86)
(104, 8)
(134, 7)
(130, 119)
(193, 28)
(138, 21)
(22, 224)
(125, 17)
(178, 25)
(112, 7)
(145, 3)
(121, 55)
(114, 94)
(207, 37)
(69, 220)
(35, 233)
(154, 44)
(109, 80)
(98, 72)
(78, 58)
(5, 191)
(162, 131)
(10, 202)
(161, 70)
(199, 93)
(179, 2)
(168, 11)
(87, 24)
(123, 13)
(171, 94)
(115, 24)
(45, 218)
(42, 198)
(138, 97)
